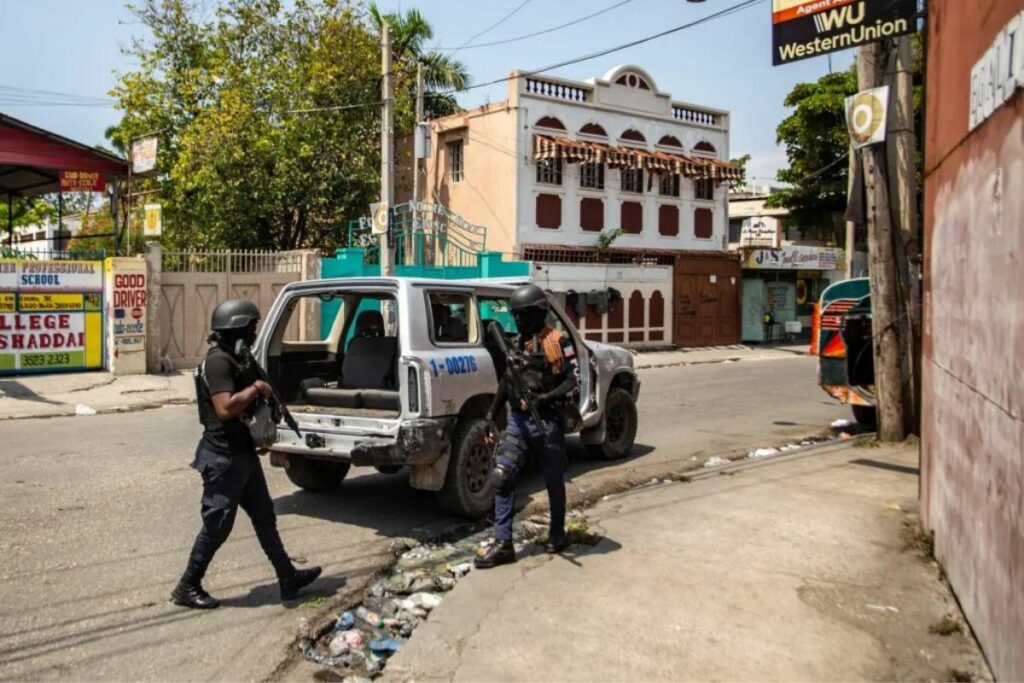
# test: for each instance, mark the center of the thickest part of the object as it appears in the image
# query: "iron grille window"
(632, 180)
(669, 185)
(592, 176)
(455, 165)
(704, 189)
(549, 171)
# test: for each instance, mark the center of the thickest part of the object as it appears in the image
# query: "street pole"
(851, 228)
(419, 120)
(885, 294)
(387, 151)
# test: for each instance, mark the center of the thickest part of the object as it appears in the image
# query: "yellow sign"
(152, 226)
(7, 302)
(52, 302)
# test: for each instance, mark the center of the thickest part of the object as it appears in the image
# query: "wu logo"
(838, 18)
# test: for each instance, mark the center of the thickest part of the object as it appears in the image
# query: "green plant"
(607, 238)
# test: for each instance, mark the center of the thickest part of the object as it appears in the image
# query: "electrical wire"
(539, 33)
(501, 21)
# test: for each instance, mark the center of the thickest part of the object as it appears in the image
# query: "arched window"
(657, 316)
(550, 122)
(633, 80)
(616, 320)
(633, 135)
(706, 147)
(670, 141)
(593, 129)
(636, 316)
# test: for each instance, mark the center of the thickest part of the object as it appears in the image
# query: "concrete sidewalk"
(798, 568)
(716, 354)
(34, 396)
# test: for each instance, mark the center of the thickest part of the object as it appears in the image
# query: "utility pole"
(901, 150)
(851, 228)
(387, 152)
(419, 120)
(885, 288)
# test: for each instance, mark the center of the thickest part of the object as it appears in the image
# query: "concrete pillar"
(154, 273)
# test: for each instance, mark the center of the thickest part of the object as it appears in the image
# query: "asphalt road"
(100, 512)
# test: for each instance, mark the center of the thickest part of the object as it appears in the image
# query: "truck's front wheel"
(316, 475)
(468, 489)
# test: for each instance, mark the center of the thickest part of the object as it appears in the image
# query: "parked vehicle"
(394, 373)
(841, 339)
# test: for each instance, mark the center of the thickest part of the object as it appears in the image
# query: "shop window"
(657, 316)
(704, 190)
(668, 186)
(455, 161)
(632, 180)
(592, 176)
(549, 171)
(549, 211)
(592, 214)
(631, 217)
(703, 223)
(636, 316)
(668, 220)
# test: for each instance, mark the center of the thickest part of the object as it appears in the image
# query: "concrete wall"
(973, 369)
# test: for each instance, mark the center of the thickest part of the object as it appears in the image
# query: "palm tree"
(441, 74)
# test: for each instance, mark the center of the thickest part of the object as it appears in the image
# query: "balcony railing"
(555, 90)
(690, 115)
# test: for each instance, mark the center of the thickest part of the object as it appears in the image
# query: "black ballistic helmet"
(529, 296)
(234, 314)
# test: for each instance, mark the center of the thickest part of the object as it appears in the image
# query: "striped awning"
(586, 152)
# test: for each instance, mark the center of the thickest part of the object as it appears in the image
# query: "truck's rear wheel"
(866, 416)
(316, 475)
(468, 489)
(620, 422)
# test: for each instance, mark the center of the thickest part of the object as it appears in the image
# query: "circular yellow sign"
(867, 114)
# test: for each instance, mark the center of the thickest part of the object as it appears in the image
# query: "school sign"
(809, 28)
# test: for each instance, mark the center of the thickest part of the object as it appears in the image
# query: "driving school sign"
(808, 28)
(50, 316)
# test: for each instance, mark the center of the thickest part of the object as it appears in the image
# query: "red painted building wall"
(972, 454)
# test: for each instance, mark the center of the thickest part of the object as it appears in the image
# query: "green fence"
(353, 262)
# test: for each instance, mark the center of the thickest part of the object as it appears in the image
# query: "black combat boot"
(499, 553)
(291, 585)
(556, 545)
(192, 595)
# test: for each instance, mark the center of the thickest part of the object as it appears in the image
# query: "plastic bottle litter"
(345, 622)
(82, 409)
(385, 646)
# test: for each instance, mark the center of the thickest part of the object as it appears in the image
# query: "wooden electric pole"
(387, 152)
(885, 282)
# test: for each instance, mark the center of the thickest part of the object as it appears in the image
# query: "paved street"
(100, 512)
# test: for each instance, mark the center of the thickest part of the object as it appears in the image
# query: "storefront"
(784, 283)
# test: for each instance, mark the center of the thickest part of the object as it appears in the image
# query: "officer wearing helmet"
(226, 458)
(550, 373)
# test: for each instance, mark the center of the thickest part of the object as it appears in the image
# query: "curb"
(134, 408)
(730, 359)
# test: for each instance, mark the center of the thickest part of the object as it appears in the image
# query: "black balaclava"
(530, 321)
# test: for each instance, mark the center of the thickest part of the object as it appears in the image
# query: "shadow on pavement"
(13, 389)
(269, 594)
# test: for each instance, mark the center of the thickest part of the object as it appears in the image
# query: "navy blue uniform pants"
(523, 438)
(230, 482)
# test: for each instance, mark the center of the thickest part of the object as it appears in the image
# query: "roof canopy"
(31, 159)
(583, 151)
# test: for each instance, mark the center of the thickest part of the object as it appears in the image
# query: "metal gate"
(707, 300)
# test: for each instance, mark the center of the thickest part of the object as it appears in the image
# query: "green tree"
(266, 117)
(441, 73)
(816, 143)
(25, 211)
(742, 163)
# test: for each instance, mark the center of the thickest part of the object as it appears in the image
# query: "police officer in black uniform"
(226, 458)
(549, 369)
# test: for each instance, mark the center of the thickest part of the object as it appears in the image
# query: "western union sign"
(810, 28)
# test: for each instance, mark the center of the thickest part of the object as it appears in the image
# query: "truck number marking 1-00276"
(453, 365)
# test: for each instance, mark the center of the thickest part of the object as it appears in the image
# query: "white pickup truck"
(394, 372)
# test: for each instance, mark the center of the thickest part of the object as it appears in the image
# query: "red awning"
(585, 152)
(31, 159)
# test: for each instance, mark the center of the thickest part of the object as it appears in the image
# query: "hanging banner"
(152, 226)
(810, 28)
(81, 181)
(144, 155)
(51, 316)
(867, 114)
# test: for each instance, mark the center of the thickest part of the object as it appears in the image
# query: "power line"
(340, 107)
(618, 48)
(495, 25)
(540, 33)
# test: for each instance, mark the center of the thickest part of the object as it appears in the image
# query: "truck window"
(451, 318)
(497, 309)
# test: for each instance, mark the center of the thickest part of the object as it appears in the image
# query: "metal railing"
(234, 261)
(46, 254)
(425, 234)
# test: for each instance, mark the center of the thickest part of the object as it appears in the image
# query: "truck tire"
(468, 489)
(866, 416)
(620, 426)
(316, 475)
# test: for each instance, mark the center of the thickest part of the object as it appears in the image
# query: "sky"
(75, 47)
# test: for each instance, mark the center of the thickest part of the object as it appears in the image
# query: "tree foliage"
(267, 115)
(816, 143)
(26, 211)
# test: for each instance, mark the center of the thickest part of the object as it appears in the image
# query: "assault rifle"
(514, 366)
(248, 362)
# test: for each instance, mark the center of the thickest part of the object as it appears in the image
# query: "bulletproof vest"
(535, 369)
